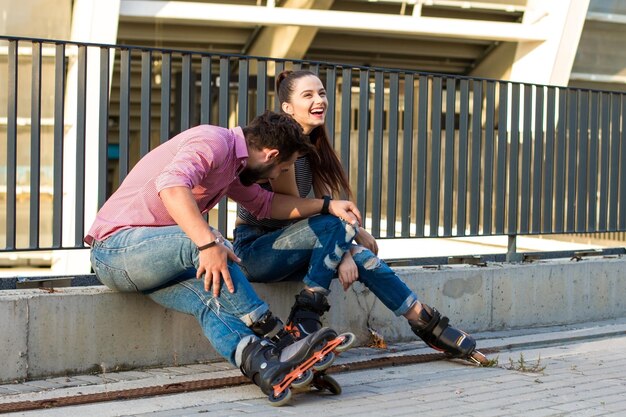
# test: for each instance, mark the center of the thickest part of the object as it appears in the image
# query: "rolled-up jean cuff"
(315, 287)
(252, 317)
(406, 305)
(245, 341)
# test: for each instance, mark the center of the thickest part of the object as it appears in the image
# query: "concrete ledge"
(75, 330)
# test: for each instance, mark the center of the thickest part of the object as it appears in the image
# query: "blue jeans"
(310, 250)
(161, 262)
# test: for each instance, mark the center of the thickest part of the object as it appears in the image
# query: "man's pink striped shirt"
(207, 159)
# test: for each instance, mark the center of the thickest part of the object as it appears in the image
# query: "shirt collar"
(241, 149)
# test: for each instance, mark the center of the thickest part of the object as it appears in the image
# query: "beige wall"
(36, 18)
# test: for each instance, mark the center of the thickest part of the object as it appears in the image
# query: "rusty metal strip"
(213, 383)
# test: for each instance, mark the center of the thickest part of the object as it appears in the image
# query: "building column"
(550, 61)
(97, 22)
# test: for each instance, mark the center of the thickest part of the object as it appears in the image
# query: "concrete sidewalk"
(567, 370)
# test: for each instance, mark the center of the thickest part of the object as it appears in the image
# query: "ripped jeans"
(310, 251)
(161, 262)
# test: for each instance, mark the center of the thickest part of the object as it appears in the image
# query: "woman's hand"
(347, 271)
(367, 240)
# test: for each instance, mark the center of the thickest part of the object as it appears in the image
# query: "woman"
(320, 248)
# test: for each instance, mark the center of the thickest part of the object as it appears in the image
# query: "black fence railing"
(428, 155)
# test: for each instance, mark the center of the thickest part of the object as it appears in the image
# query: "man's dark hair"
(277, 131)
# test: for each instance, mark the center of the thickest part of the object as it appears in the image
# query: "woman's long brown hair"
(328, 173)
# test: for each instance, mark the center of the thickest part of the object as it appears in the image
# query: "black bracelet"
(326, 204)
(211, 244)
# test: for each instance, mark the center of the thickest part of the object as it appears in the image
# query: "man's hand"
(345, 210)
(213, 263)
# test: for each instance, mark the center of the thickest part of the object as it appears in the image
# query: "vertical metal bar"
(537, 160)
(622, 166)
(614, 178)
(501, 158)
(407, 153)
(205, 90)
(474, 187)
(315, 69)
(166, 95)
(81, 110)
(331, 95)
(392, 169)
(59, 132)
(224, 111)
(124, 136)
(435, 175)
(261, 87)
(35, 146)
(513, 193)
(377, 150)
(297, 66)
(604, 160)
(12, 60)
(490, 106)
(592, 192)
(279, 67)
(224, 98)
(560, 157)
(363, 141)
(422, 148)
(448, 187)
(527, 137)
(572, 140)
(103, 126)
(185, 93)
(242, 117)
(146, 102)
(547, 197)
(581, 192)
(461, 201)
(346, 117)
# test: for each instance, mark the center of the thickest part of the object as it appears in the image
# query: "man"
(150, 236)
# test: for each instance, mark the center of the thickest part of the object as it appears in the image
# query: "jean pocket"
(114, 278)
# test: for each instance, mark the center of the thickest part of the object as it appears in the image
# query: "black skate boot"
(276, 370)
(433, 328)
(304, 319)
(306, 313)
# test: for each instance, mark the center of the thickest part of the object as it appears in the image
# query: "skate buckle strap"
(440, 327)
(434, 321)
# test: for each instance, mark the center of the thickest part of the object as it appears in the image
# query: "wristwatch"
(217, 240)
(324, 209)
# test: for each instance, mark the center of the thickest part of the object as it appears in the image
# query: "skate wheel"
(326, 382)
(280, 399)
(478, 358)
(325, 362)
(348, 342)
(303, 380)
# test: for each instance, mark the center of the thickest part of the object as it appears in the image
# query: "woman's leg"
(316, 244)
(425, 321)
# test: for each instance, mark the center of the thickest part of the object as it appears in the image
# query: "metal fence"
(428, 155)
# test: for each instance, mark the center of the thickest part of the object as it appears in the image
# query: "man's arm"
(213, 261)
(290, 207)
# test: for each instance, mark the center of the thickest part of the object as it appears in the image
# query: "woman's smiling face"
(308, 103)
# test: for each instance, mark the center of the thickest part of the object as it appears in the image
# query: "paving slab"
(584, 375)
